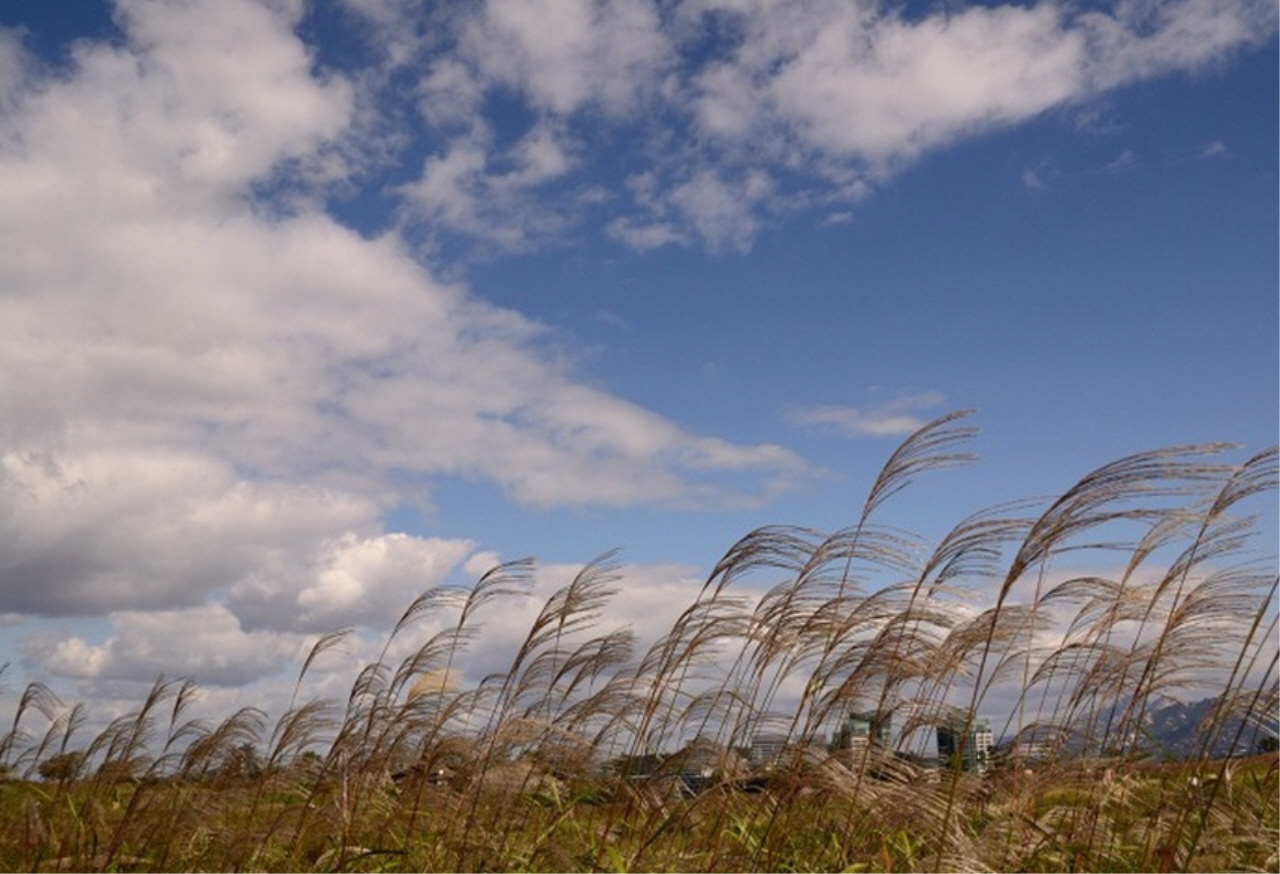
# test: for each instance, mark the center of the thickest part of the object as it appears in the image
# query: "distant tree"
(308, 764)
(310, 760)
(242, 761)
(118, 771)
(62, 767)
(1268, 744)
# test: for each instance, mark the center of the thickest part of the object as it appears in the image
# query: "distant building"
(862, 729)
(766, 748)
(973, 751)
(1031, 752)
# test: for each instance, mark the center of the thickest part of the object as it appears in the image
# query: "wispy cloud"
(1215, 149)
(893, 418)
(1034, 180)
(722, 101)
(1211, 151)
(1126, 160)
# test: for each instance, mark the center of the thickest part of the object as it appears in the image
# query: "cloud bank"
(213, 390)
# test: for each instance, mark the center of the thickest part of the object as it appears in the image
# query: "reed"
(592, 752)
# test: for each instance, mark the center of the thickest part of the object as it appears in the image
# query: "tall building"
(973, 751)
(766, 748)
(863, 728)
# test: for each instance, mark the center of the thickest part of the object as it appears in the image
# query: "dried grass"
(583, 754)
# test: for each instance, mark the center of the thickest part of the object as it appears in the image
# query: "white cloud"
(1126, 160)
(647, 601)
(346, 580)
(847, 81)
(205, 643)
(568, 53)
(1032, 179)
(852, 81)
(1143, 39)
(1215, 149)
(709, 93)
(492, 196)
(450, 94)
(86, 532)
(13, 65)
(721, 211)
(887, 419)
(643, 236)
(210, 394)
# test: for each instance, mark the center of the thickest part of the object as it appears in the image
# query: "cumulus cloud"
(647, 600)
(850, 81)
(213, 392)
(212, 644)
(715, 207)
(205, 643)
(346, 580)
(569, 53)
(714, 96)
(84, 532)
(492, 195)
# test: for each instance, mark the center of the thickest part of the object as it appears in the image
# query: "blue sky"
(306, 307)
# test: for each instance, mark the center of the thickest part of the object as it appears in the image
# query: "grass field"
(593, 752)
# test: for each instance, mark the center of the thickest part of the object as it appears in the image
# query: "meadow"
(594, 751)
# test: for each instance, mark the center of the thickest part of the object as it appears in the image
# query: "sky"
(308, 307)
